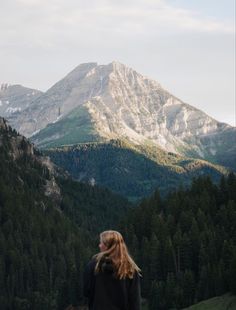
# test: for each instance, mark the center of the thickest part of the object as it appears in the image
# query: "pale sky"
(187, 46)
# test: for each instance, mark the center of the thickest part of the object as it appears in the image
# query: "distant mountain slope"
(57, 102)
(131, 170)
(15, 98)
(119, 103)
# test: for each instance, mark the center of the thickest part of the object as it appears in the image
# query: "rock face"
(18, 147)
(103, 102)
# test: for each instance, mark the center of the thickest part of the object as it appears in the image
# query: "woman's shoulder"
(135, 278)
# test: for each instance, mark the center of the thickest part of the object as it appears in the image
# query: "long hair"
(117, 252)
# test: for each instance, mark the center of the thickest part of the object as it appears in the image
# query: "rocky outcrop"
(19, 146)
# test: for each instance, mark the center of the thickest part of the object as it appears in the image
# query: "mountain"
(103, 102)
(96, 105)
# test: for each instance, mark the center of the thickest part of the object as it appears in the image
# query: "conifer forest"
(185, 242)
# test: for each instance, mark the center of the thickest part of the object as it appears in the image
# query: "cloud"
(42, 20)
(142, 16)
(59, 24)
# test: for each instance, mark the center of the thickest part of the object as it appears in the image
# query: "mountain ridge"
(133, 171)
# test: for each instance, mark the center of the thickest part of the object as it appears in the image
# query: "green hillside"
(73, 128)
(130, 170)
(225, 302)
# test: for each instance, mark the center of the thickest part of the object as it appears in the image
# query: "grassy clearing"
(225, 302)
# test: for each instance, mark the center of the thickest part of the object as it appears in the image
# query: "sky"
(187, 46)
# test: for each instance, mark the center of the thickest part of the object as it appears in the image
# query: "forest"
(184, 243)
(45, 243)
(132, 171)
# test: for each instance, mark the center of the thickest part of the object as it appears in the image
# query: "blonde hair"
(117, 252)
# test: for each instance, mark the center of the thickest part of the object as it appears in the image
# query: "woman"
(112, 279)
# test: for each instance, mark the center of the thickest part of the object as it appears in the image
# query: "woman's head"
(113, 247)
(109, 239)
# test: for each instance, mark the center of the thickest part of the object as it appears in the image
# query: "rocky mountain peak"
(119, 67)
(80, 71)
(115, 102)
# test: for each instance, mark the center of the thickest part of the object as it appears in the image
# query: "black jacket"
(105, 292)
